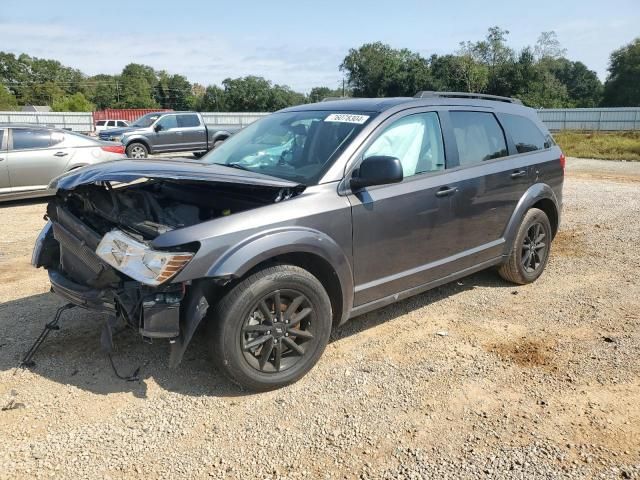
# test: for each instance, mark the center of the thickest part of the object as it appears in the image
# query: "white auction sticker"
(347, 118)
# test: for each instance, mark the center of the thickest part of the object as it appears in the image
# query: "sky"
(295, 43)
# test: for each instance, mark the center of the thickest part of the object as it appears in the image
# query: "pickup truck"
(162, 132)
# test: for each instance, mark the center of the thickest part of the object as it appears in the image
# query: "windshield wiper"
(238, 166)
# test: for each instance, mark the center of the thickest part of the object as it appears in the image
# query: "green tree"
(377, 70)
(138, 87)
(468, 74)
(103, 90)
(7, 99)
(317, 94)
(213, 100)
(282, 96)
(247, 94)
(174, 92)
(584, 88)
(72, 103)
(622, 88)
(491, 51)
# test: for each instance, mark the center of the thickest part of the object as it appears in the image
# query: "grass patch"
(602, 145)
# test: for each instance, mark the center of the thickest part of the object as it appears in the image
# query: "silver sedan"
(31, 156)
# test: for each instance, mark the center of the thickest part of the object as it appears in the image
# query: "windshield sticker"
(347, 118)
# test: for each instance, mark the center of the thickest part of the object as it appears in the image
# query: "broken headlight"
(139, 261)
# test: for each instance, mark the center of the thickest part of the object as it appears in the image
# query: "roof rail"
(481, 96)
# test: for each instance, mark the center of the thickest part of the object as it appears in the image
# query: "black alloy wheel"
(271, 328)
(530, 249)
(534, 248)
(278, 331)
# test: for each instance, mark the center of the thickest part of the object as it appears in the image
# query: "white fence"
(236, 119)
(604, 119)
(598, 119)
(74, 121)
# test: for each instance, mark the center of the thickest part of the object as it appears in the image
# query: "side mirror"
(157, 127)
(377, 170)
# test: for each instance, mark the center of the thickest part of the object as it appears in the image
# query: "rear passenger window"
(188, 121)
(478, 137)
(122, 124)
(416, 140)
(100, 123)
(526, 135)
(26, 138)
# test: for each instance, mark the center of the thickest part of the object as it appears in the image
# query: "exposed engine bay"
(148, 209)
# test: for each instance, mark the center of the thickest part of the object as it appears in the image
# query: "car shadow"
(73, 356)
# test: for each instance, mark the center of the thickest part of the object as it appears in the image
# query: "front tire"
(530, 251)
(270, 329)
(137, 150)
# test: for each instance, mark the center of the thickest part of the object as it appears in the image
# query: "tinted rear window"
(100, 123)
(26, 138)
(526, 134)
(188, 121)
(478, 137)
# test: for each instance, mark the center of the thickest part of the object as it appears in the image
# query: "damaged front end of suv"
(107, 244)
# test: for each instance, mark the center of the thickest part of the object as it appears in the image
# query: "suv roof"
(425, 98)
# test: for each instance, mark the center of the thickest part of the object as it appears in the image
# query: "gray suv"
(307, 218)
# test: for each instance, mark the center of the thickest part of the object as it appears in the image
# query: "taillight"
(113, 149)
(563, 161)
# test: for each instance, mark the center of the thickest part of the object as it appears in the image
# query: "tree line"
(540, 75)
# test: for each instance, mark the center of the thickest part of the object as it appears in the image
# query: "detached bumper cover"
(81, 295)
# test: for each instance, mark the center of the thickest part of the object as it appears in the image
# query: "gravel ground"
(476, 379)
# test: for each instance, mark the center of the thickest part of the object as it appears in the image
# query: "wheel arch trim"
(533, 195)
(137, 139)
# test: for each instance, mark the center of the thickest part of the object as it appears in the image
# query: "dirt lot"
(475, 379)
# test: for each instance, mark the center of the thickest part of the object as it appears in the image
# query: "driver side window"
(416, 140)
(168, 122)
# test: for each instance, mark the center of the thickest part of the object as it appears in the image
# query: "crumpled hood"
(125, 171)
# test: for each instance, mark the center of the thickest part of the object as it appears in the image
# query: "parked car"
(31, 156)
(307, 218)
(102, 125)
(162, 132)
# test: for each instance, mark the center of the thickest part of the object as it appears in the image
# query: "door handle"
(518, 173)
(446, 191)
(60, 154)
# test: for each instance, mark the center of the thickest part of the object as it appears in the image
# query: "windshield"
(146, 120)
(296, 146)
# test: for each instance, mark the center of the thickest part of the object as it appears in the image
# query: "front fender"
(534, 194)
(252, 251)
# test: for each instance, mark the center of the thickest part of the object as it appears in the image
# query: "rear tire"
(137, 150)
(270, 329)
(530, 251)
